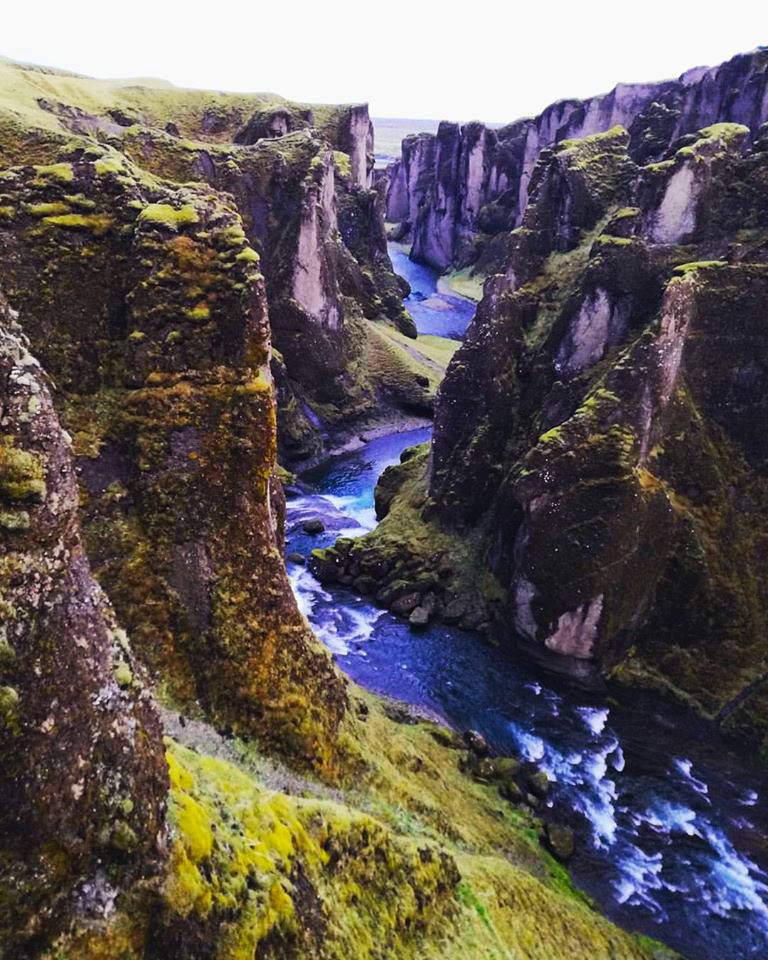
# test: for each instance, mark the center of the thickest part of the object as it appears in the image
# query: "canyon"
(522, 540)
(453, 194)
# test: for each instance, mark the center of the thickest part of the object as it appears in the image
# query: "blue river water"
(671, 821)
(434, 312)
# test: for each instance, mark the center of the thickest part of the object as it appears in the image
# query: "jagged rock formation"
(300, 178)
(146, 303)
(147, 307)
(83, 777)
(453, 192)
(599, 448)
(90, 867)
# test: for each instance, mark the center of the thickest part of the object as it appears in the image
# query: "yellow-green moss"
(55, 208)
(249, 255)
(97, 223)
(342, 163)
(62, 172)
(685, 268)
(22, 474)
(465, 283)
(255, 866)
(9, 708)
(113, 164)
(168, 216)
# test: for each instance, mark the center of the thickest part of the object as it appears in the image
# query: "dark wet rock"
(394, 591)
(83, 777)
(365, 585)
(297, 558)
(512, 791)
(559, 840)
(405, 605)
(448, 738)
(506, 768)
(454, 610)
(498, 769)
(420, 617)
(539, 783)
(326, 565)
(314, 526)
(476, 743)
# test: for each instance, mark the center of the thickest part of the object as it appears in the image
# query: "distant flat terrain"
(390, 131)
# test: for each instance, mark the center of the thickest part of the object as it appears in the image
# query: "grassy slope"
(410, 859)
(152, 102)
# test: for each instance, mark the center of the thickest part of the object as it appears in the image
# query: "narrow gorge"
(383, 538)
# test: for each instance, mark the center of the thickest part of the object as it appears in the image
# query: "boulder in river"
(419, 617)
(476, 743)
(559, 840)
(313, 526)
(539, 783)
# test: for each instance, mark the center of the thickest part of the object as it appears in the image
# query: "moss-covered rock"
(82, 778)
(408, 858)
(598, 434)
(300, 177)
(156, 332)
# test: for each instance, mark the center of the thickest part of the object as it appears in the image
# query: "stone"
(365, 585)
(313, 526)
(327, 566)
(83, 778)
(539, 783)
(447, 738)
(511, 791)
(297, 558)
(419, 617)
(559, 840)
(454, 610)
(476, 743)
(405, 605)
(507, 768)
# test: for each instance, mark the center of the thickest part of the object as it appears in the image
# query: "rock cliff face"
(146, 305)
(454, 190)
(599, 465)
(83, 777)
(251, 858)
(301, 181)
(146, 302)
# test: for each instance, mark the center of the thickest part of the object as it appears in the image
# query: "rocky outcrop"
(598, 434)
(244, 863)
(146, 305)
(301, 180)
(83, 778)
(349, 129)
(469, 182)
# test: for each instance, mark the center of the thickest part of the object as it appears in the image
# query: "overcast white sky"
(482, 59)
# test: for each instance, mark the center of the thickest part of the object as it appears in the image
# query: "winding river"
(670, 821)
